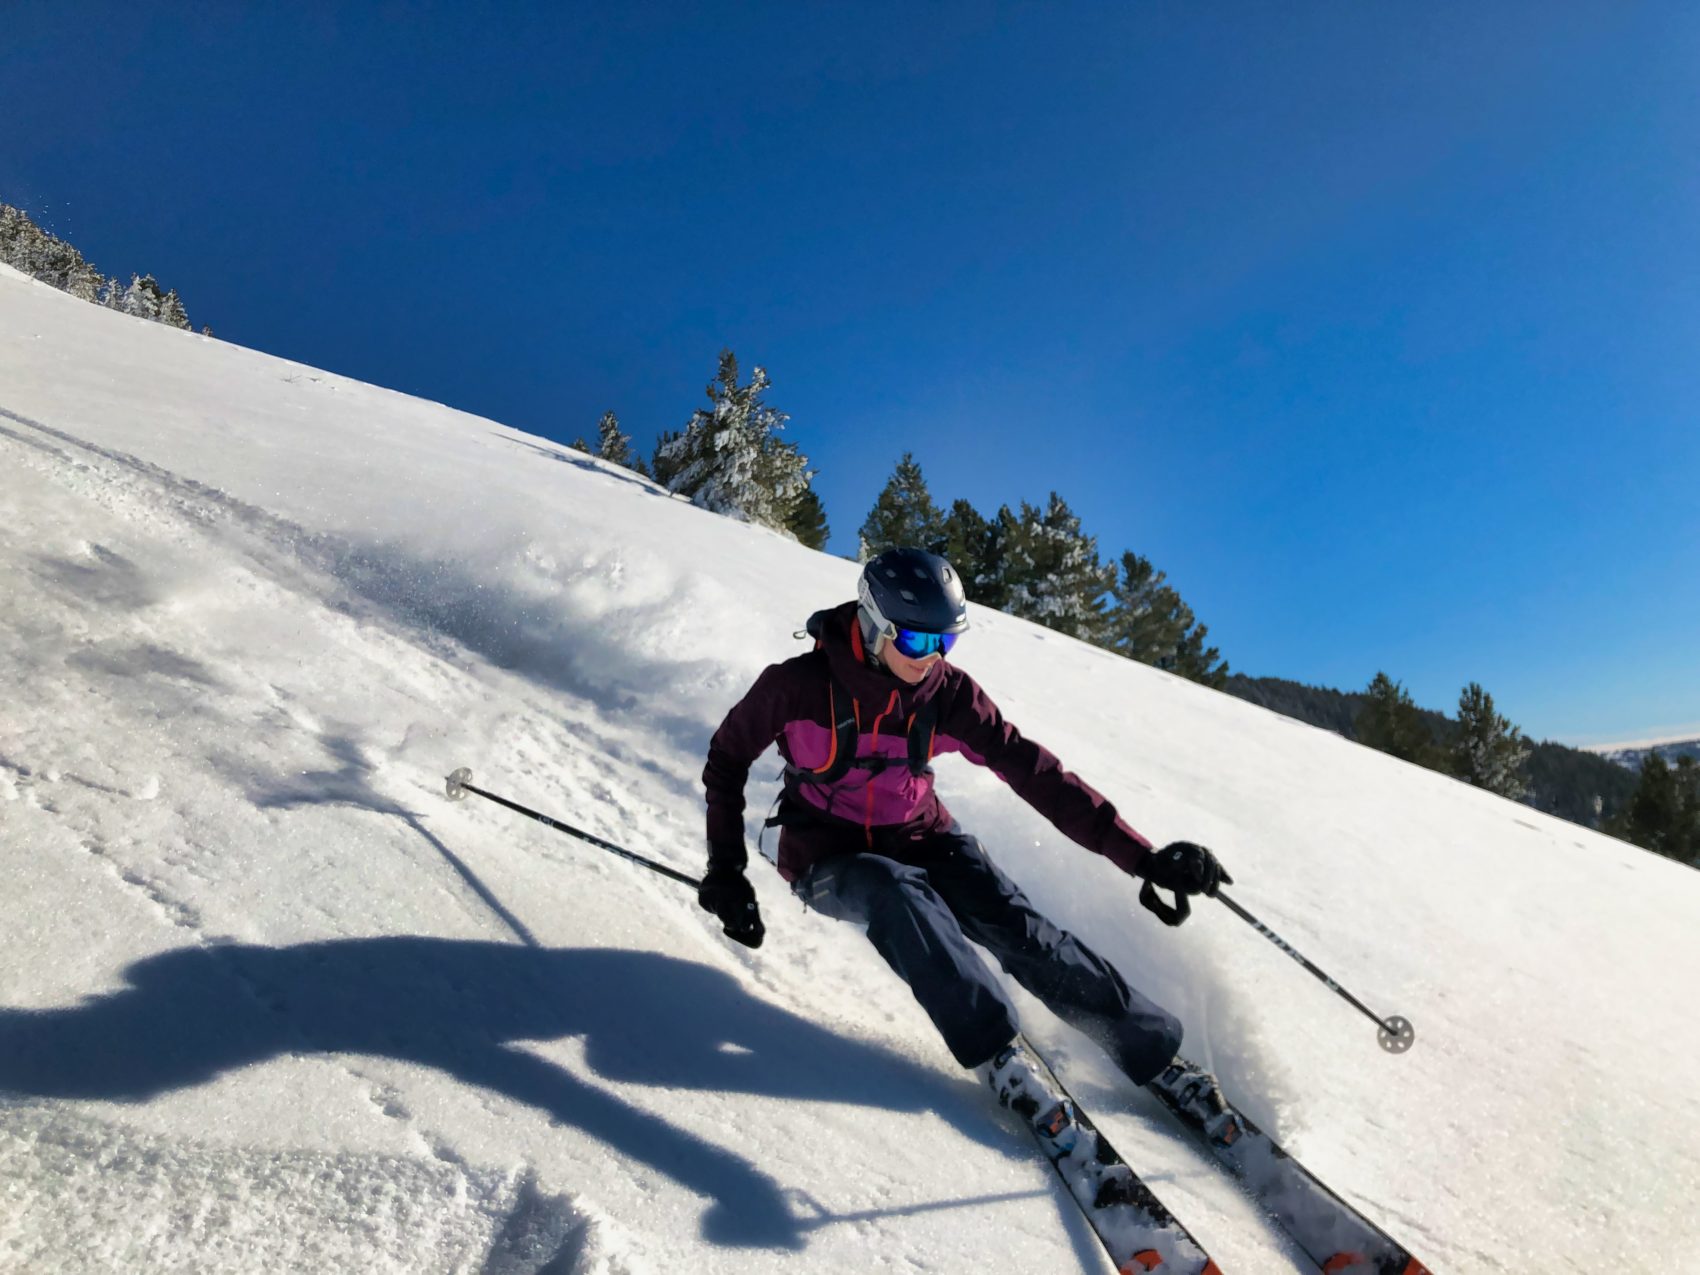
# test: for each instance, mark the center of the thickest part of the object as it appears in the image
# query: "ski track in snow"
(273, 1003)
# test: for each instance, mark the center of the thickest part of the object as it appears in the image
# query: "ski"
(1336, 1236)
(1137, 1231)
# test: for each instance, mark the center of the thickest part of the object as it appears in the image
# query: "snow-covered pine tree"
(1489, 751)
(171, 311)
(579, 445)
(1391, 722)
(729, 458)
(83, 282)
(611, 444)
(143, 298)
(904, 513)
(1053, 574)
(27, 247)
(784, 470)
(12, 223)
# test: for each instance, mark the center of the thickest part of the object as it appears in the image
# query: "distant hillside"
(1574, 784)
(1670, 751)
(1319, 705)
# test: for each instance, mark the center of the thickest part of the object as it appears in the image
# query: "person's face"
(902, 667)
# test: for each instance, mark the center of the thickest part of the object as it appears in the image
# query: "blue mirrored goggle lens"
(917, 645)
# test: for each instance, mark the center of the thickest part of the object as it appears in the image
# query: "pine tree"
(1053, 574)
(171, 311)
(903, 515)
(1687, 840)
(1664, 814)
(579, 445)
(729, 458)
(783, 470)
(1147, 621)
(27, 247)
(84, 282)
(1390, 721)
(975, 548)
(661, 463)
(143, 298)
(1197, 662)
(1489, 751)
(808, 521)
(611, 444)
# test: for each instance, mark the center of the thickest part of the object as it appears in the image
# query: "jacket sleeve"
(1075, 808)
(754, 722)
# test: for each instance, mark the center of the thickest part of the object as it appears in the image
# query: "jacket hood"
(840, 636)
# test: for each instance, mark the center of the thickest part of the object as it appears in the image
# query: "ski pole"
(1396, 1034)
(459, 784)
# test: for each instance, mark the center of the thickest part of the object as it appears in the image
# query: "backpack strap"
(846, 731)
(842, 711)
(923, 728)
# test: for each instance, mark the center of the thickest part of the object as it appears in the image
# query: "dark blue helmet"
(910, 589)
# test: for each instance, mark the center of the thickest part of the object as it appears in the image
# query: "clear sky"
(1377, 327)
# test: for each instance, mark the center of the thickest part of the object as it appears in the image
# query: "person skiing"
(864, 837)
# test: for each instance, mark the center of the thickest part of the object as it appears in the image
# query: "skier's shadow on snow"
(192, 1014)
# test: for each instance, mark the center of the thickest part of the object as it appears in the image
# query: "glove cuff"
(728, 858)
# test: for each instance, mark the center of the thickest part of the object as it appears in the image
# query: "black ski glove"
(1184, 868)
(727, 892)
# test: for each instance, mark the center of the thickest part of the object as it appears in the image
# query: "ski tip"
(456, 783)
(1142, 1262)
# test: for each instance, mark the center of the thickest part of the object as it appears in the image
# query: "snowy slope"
(271, 1003)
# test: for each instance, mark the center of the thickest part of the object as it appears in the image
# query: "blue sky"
(1375, 326)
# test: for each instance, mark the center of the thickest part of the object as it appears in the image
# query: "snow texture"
(272, 1002)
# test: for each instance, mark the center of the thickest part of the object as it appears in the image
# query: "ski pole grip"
(1166, 913)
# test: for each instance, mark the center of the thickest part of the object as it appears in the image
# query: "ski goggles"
(917, 645)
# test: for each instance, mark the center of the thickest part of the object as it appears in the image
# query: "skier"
(864, 838)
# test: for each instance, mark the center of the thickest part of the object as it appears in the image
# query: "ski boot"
(1198, 1100)
(1021, 1085)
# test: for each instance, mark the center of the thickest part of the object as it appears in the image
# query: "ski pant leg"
(913, 929)
(1074, 982)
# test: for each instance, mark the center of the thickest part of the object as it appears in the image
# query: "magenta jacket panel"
(792, 703)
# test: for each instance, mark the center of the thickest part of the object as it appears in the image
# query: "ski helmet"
(909, 589)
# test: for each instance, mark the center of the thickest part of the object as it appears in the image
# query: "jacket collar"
(842, 639)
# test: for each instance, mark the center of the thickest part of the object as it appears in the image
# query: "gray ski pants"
(925, 911)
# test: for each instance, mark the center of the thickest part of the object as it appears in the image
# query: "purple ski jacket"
(886, 810)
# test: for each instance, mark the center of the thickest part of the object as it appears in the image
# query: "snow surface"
(272, 1003)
